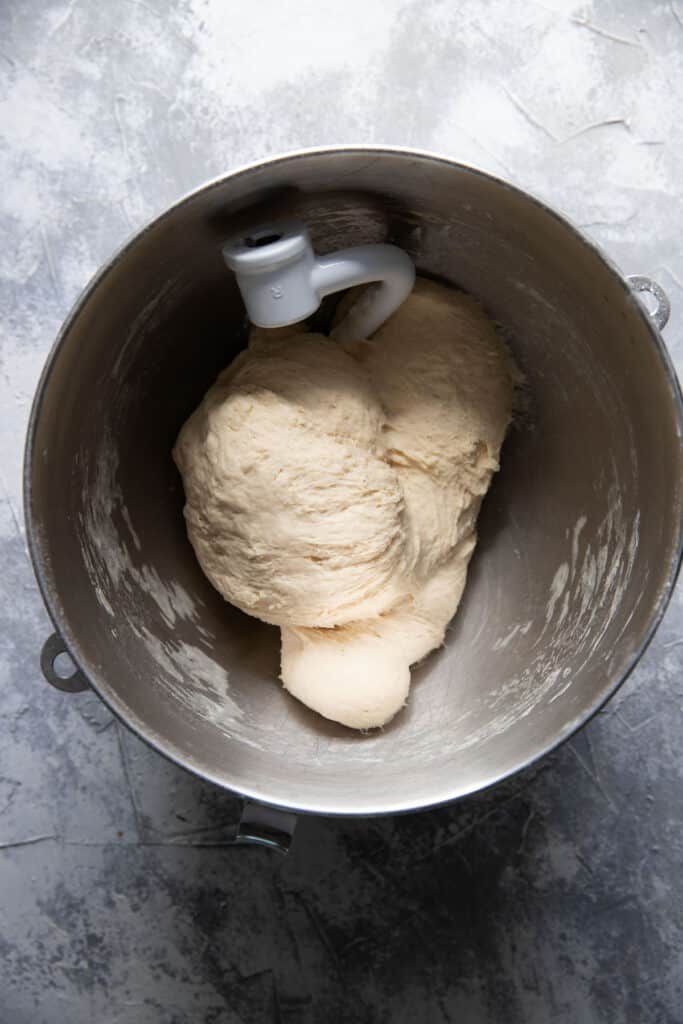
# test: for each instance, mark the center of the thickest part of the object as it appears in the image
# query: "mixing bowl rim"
(47, 584)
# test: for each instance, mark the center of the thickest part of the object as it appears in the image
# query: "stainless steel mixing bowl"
(580, 536)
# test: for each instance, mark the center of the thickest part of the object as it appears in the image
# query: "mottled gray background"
(554, 898)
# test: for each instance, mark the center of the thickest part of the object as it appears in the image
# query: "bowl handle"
(662, 310)
(75, 681)
(265, 826)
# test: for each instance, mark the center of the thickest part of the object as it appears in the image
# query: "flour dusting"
(110, 544)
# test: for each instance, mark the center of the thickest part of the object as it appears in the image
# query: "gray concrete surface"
(555, 898)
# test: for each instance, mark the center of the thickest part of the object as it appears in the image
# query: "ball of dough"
(334, 491)
(293, 513)
(348, 675)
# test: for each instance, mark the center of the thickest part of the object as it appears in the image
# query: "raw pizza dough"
(333, 490)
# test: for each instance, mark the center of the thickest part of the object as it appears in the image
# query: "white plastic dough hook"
(282, 281)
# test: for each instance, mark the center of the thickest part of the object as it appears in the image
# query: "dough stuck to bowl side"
(334, 490)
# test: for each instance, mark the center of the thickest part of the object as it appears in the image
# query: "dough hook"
(282, 281)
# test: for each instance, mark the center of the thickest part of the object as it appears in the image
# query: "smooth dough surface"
(334, 490)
